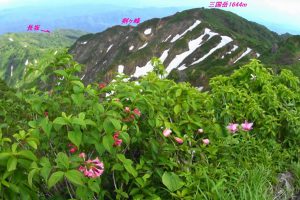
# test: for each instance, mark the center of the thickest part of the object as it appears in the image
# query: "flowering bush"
(151, 139)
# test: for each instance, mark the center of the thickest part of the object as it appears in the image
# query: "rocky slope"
(194, 45)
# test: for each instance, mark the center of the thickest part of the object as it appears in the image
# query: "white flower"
(253, 77)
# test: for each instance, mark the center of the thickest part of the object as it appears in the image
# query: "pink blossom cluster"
(72, 147)
(91, 168)
(131, 117)
(117, 140)
(167, 132)
(233, 127)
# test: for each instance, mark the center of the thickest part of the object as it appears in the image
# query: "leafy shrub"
(147, 139)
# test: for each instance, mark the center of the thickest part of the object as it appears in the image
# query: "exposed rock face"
(285, 187)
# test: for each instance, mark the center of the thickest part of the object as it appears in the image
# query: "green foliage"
(121, 127)
(255, 93)
(18, 48)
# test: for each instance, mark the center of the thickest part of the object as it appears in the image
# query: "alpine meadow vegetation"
(148, 139)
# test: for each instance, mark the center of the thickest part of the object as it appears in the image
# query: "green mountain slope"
(20, 49)
(194, 45)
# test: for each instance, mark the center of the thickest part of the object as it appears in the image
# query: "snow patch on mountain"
(83, 42)
(244, 54)
(193, 45)
(120, 69)
(141, 71)
(164, 55)
(176, 37)
(182, 67)
(109, 48)
(235, 47)
(131, 48)
(167, 38)
(225, 40)
(143, 45)
(10, 39)
(147, 31)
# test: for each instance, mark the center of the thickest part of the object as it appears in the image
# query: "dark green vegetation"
(18, 50)
(41, 151)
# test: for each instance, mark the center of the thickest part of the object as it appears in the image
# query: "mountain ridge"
(219, 38)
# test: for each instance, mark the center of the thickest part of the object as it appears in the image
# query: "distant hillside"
(20, 49)
(194, 45)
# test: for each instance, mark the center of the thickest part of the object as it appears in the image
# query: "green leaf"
(61, 72)
(78, 99)
(99, 108)
(108, 142)
(172, 181)
(127, 164)
(74, 176)
(78, 83)
(5, 155)
(90, 122)
(75, 137)
(31, 143)
(60, 121)
(46, 126)
(177, 109)
(94, 185)
(116, 123)
(131, 170)
(27, 154)
(46, 169)
(55, 178)
(125, 137)
(12, 164)
(118, 167)
(178, 92)
(79, 121)
(30, 176)
(110, 125)
(62, 160)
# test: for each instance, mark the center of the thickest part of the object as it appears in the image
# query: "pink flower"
(118, 141)
(247, 126)
(232, 127)
(73, 150)
(167, 132)
(82, 155)
(116, 135)
(127, 109)
(200, 130)
(137, 112)
(92, 168)
(205, 141)
(178, 140)
(82, 169)
(102, 85)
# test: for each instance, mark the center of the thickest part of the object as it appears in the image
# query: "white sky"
(281, 13)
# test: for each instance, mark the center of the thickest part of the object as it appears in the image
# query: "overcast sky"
(279, 15)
